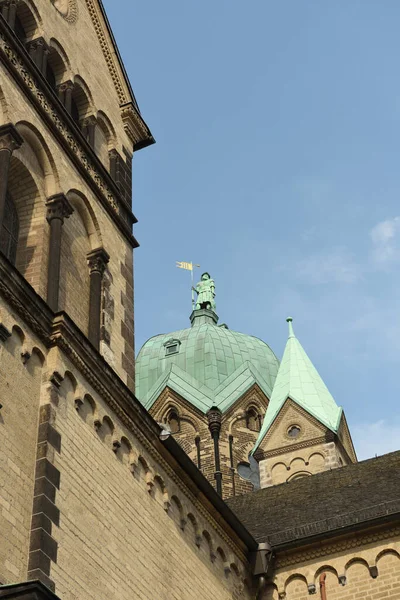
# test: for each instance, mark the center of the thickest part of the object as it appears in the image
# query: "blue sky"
(277, 169)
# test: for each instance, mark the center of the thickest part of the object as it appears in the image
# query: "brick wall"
(364, 566)
(20, 380)
(194, 424)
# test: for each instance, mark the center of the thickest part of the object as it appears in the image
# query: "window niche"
(253, 419)
(172, 346)
(174, 421)
(10, 230)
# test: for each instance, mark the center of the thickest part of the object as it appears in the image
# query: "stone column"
(214, 417)
(97, 260)
(65, 94)
(9, 12)
(10, 140)
(58, 208)
(38, 51)
(88, 129)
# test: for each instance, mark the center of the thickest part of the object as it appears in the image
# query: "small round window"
(294, 431)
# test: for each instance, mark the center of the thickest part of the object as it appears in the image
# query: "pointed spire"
(300, 381)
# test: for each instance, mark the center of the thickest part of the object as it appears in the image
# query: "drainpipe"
(322, 587)
(214, 417)
(261, 560)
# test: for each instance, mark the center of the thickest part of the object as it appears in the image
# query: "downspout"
(322, 587)
(261, 560)
(214, 417)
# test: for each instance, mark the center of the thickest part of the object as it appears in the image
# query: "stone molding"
(327, 549)
(66, 131)
(134, 125)
(58, 330)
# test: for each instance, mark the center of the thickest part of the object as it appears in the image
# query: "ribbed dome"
(206, 353)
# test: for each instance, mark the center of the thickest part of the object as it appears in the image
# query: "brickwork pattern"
(20, 379)
(119, 521)
(195, 424)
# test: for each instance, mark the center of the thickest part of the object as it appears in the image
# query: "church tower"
(230, 403)
(304, 431)
(211, 386)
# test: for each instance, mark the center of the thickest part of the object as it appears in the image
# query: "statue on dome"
(205, 291)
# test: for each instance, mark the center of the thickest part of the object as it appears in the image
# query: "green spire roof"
(299, 380)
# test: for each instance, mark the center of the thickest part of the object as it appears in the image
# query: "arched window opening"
(25, 25)
(174, 421)
(55, 68)
(253, 420)
(101, 144)
(79, 105)
(10, 230)
(299, 475)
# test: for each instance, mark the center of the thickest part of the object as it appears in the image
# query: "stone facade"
(92, 503)
(313, 449)
(239, 431)
(96, 499)
(364, 567)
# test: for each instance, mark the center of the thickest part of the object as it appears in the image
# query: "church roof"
(207, 364)
(326, 502)
(300, 381)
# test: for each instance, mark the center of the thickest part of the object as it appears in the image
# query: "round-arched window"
(294, 431)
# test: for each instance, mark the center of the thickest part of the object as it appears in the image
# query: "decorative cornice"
(65, 130)
(286, 449)
(135, 126)
(311, 552)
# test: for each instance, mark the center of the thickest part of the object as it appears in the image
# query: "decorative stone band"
(55, 114)
(43, 547)
(30, 590)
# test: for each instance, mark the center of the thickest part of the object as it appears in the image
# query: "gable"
(292, 415)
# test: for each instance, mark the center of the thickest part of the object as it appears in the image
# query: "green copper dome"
(207, 364)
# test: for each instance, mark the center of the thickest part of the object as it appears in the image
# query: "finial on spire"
(289, 320)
